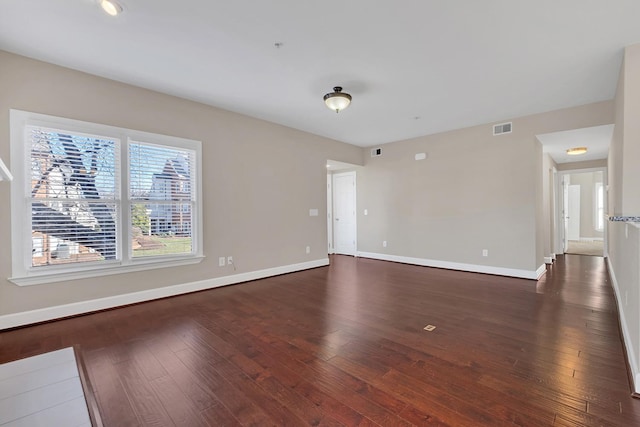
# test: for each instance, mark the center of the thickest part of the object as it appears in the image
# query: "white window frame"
(599, 212)
(22, 272)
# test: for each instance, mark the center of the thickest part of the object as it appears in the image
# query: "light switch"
(313, 212)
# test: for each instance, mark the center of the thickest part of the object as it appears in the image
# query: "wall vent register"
(502, 128)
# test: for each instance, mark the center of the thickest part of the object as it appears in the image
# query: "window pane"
(74, 197)
(70, 166)
(70, 233)
(160, 173)
(161, 229)
(161, 193)
(599, 206)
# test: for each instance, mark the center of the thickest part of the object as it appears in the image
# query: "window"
(90, 199)
(161, 199)
(599, 205)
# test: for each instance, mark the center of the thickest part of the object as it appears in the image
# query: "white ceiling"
(414, 67)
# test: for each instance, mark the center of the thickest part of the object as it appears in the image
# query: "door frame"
(331, 213)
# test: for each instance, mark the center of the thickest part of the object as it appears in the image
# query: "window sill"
(138, 265)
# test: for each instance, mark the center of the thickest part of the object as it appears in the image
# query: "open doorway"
(557, 164)
(341, 208)
(582, 210)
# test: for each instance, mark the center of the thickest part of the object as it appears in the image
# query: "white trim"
(548, 260)
(590, 239)
(355, 210)
(56, 312)
(475, 268)
(628, 342)
(330, 213)
(21, 270)
(596, 186)
(84, 273)
(5, 174)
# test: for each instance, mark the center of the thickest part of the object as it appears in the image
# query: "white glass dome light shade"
(337, 100)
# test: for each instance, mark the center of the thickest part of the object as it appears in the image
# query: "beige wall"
(624, 199)
(614, 160)
(624, 266)
(631, 157)
(473, 192)
(624, 153)
(260, 179)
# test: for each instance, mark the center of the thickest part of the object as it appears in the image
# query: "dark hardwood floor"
(345, 345)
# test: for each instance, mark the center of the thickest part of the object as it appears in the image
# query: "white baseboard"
(628, 343)
(548, 260)
(590, 239)
(56, 312)
(511, 272)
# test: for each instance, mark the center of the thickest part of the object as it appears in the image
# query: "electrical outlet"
(485, 252)
(221, 261)
(308, 249)
(229, 260)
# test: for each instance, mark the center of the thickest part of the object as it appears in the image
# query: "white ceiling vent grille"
(376, 152)
(502, 128)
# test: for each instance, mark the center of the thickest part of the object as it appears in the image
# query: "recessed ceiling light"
(110, 6)
(575, 151)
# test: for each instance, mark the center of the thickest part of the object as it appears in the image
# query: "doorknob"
(337, 219)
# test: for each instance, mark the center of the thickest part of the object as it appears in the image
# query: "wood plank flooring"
(345, 345)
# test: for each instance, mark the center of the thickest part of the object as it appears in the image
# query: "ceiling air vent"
(502, 128)
(376, 152)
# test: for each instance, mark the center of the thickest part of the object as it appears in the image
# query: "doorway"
(581, 212)
(341, 207)
(344, 213)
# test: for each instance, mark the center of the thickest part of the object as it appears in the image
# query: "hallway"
(585, 247)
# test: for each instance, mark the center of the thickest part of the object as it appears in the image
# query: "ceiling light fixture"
(110, 6)
(337, 100)
(576, 151)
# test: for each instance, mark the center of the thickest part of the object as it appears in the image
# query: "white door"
(573, 213)
(344, 213)
(329, 214)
